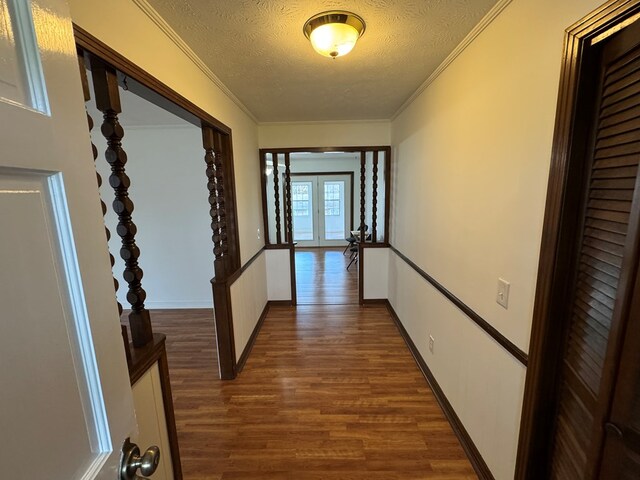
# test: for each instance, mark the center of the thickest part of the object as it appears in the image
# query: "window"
(332, 199)
(300, 200)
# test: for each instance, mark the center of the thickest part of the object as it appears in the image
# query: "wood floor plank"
(322, 277)
(329, 392)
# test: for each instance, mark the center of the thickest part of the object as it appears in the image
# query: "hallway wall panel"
(248, 299)
(471, 163)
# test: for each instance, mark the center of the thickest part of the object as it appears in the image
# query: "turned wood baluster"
(362, 193)
(215, 185)
(287, 193)
(374, 204)
(276, 189)
(94, 150)
(105, 83)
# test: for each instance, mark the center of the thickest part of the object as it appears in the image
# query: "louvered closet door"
(603, 250)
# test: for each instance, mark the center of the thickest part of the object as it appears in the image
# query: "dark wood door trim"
(572, 132)
(220, 173)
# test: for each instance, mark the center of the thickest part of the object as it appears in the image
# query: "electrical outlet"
(503, 293)
(431, 342)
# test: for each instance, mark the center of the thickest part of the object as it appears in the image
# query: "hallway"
(328, 392)
(322, 277)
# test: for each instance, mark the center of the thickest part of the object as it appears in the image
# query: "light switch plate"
(503, 293)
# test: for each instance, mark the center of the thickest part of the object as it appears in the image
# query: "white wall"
(324, 134)
(278, 274)
(376, 273)
(471, 156)
(168, 189)
(248, 299)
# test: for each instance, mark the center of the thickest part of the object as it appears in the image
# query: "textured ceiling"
(258, 50)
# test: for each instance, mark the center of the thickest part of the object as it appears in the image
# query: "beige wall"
(125, 28)
(471, 157)
(324, 134)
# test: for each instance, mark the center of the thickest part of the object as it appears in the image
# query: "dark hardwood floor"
(328, 392)
(322, 277)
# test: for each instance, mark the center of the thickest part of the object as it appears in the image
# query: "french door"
(322, 210)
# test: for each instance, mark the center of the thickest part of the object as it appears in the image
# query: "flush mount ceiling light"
(334, 33)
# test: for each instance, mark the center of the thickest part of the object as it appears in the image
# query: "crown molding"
(322, 122)
(471, 36)
(156, 18)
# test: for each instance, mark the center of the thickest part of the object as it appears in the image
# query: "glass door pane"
(302, 208)
(334, 211)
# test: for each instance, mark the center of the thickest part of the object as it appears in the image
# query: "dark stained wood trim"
(276, 246)
(367, 148)
(387, 194)
(142, 359)
(263, 189)
(223, 317)
(288, 218)
(276, 196)
(375, 245)
(374, 198)
(155, 91)
(479, 465)
(571, 134)
(468, 311)
(292, 270)
(360, 274)
(363, 162)
(231, 200)
(252, 339)
(107, 101)
(374, 301)
(281, 303)
(238, 273)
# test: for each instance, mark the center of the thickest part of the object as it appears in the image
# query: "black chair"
(352, 240)
(354, 254)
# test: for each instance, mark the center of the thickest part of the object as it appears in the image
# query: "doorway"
(314, 208)
(582, 397)
(321, 207)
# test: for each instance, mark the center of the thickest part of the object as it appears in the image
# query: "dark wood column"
(374, 200)
(276, 190)
(221, 292)
(105, 84)
(87, 97)
(289, 226)
(363, 157)
(287, 198)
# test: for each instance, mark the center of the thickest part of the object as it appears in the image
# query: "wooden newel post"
(105, 83)
(213, 143)
(362, 195)
(87, 97)
(374, 199)
(287, 199)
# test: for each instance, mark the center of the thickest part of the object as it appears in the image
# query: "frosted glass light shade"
(334, 39)
(333, 34)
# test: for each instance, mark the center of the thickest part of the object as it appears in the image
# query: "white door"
(304, 205)
(65, 398)
(334, 212)
(321, 206)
